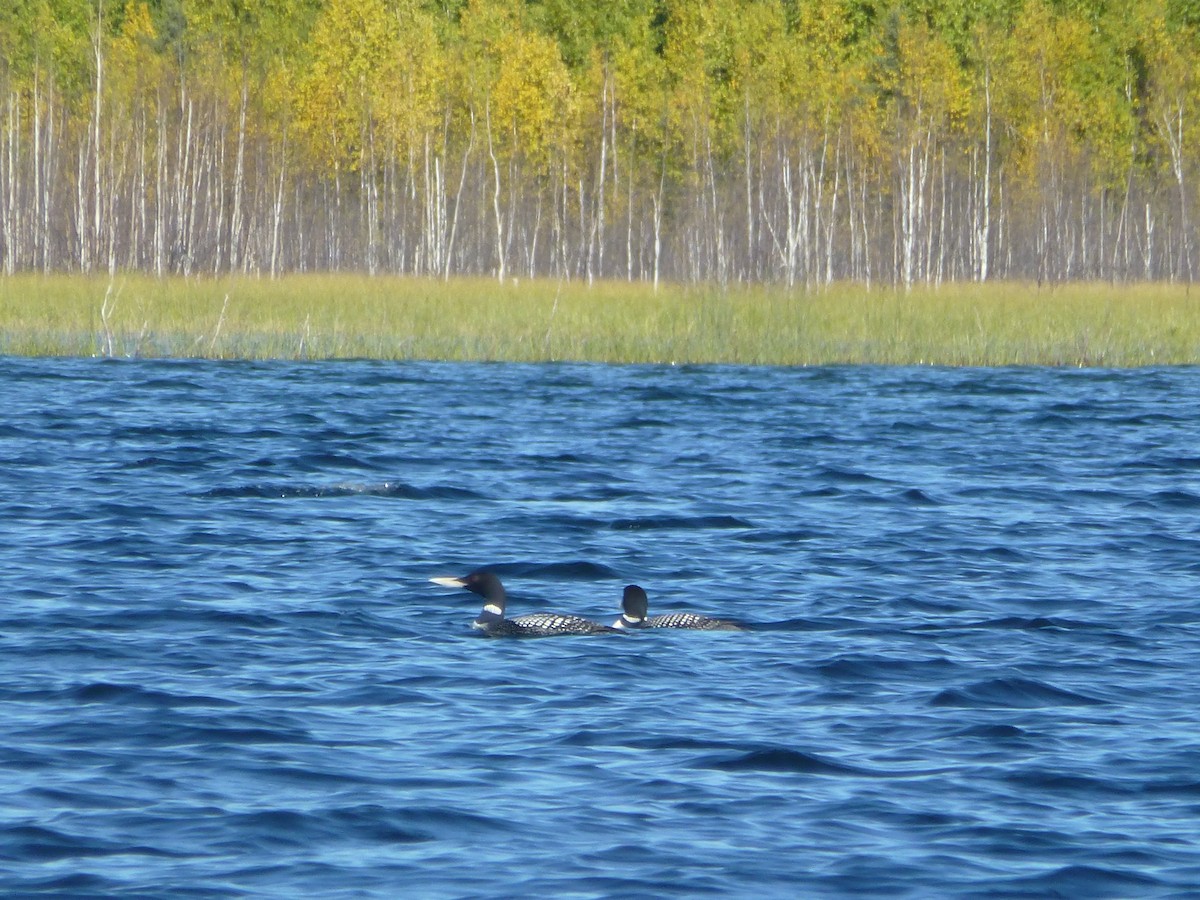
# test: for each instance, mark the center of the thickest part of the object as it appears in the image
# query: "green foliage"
(746, 122)
(531, 96)
(699, 63)
(49, 38)
(350, 43)
(412, 80)
(580, 27)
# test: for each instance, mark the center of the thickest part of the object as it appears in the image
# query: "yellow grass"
(337, 316)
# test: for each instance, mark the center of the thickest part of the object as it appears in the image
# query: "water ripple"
(224, 672)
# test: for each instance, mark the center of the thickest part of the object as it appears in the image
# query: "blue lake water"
(224, 673)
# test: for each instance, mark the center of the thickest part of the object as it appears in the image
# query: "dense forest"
(789, 141)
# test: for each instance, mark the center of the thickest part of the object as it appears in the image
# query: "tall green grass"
(338, 316)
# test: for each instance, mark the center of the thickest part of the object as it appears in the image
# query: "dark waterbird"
(491, 619)
(635, 608)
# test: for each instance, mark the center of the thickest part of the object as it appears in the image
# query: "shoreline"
(344, 316)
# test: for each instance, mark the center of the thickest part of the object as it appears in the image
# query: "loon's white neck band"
(493, 609)
(632, 620)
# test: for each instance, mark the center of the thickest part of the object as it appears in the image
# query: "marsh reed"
(351, 316)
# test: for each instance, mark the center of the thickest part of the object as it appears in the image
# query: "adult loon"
(491, 619)
(635, 607)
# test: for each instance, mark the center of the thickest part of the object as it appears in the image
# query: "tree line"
(785, 141)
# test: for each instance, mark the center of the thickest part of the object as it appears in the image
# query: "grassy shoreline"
(341, 316)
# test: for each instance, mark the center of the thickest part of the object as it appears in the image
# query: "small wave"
(1169, 463)
(240, 735)
(542, 459)
(77, 884)
(824, 491)
(1175, 499)
(1069, 408)
(794, 536)
(1003, 554)
(917, 497)
(448, 822)
(1144, 420)
(292, 828)
(377, 823)
(781, 759)
(398, 489)
(25, 842)
(162, 462)
(659, 394)
(558, 522)
(847, 476)
(584, 738)
(991, 385)
(1049, 420)
(318, 461)
(992, 732)
(1032, 623)
(926, 427)
(1081, 881)
(1015, 693)
(676, 523)
(597, 493)
(136, 619)
(76, 798)
(879, 668)
(183, 438)
(572, 570)
(1039, 780)
(108, 692)
(640, 422)
(673, 742)
(1096, 496)
(182, 385)
(832, 623)
(1173, 787)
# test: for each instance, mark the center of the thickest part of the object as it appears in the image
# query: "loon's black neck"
(488, 586)
(490, 613)
(628, 621)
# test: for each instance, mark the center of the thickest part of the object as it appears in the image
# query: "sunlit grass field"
(344, 316)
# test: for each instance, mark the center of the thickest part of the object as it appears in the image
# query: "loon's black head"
(635, 607)
(483, 583)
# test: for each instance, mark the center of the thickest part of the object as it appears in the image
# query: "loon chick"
(635, 607)
(491, 620)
